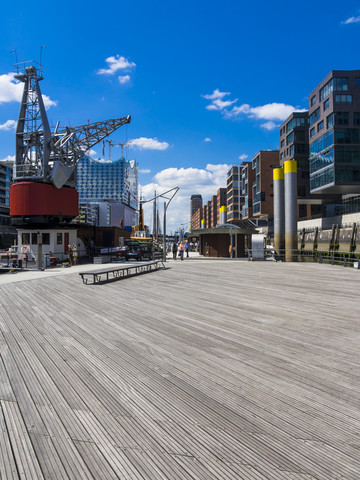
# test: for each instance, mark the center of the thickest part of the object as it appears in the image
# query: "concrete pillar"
(279, 211)
(223, 211)
(290, 169)
(202, 223)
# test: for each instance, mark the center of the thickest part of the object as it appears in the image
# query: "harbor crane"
(45, 161)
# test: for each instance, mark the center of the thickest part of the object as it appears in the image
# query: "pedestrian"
(181, 250)
(174, 250)
(187, 248)
(230, 251)
(70, 253)
(75, 255)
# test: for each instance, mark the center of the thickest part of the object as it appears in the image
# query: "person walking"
(174, 250)
(181, 250)
(187, 248)
(75, 255)
(70, 254)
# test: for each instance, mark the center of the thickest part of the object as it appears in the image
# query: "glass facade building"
(6, 170)
(101, 181)
(334, 131)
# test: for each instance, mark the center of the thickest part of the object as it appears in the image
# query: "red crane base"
(32, 202)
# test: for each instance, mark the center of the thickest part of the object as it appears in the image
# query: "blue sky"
(206, 83)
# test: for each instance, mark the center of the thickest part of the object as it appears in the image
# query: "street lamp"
(162, 195)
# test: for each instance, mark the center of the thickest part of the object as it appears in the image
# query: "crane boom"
(51, 157)
(72, 143)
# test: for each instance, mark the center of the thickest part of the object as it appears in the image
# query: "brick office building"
(262, 186)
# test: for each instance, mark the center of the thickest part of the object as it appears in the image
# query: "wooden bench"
(112, 273)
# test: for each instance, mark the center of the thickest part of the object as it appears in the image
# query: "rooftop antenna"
(41, 49)
(16, 58)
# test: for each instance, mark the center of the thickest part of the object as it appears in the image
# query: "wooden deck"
(209, 369)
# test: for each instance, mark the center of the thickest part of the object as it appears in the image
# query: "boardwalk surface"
(206, 370)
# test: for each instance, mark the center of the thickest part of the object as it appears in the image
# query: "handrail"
(300, 255)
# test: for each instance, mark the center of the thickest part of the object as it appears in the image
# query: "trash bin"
(20, 263)
(53, 261)
(46, 261)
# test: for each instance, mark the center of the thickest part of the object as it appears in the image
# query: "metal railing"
(345, 259)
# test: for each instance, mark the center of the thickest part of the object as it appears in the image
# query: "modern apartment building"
(196, 219)
(247, 179)
(221, 202)
(262, 186)
(196, 202)
(100, 181)
(334, 134)
(235, 200)
(213, 211)
(294, 145)
(6, 170)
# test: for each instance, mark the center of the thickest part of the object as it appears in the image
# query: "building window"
(46, 238)
(313, 100)
(282, 144)
(312, 132)
(299, 136)
(25, 238)
(347, 136)
(322, 143)
(326, 104)
(326, 89)
(314, 117)
(357, 81)
(295, 122)
(341, 84)
(343, 98)
(290, 138)
(59, 239)
(356, 118)
(34, 240)
(301, 148)
(342, 118)
(330, 121)
(320, 125)
(292, 150)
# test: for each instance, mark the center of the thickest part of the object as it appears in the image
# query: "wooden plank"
(243, 371)
(27, 464)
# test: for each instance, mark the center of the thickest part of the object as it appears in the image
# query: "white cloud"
(9, 158)
(8, 125)
(115, 64)
(10, 88)
(48, 102)
(124, 79)
(215, 95)
(351, 20)
(269, 125)
(243, 156)
(235, 111)
(91, 153)
(147, 144)
(11, 91)
(271, 112)
(207, 139)
(144, 170)
(216, 100)
(204, 181)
